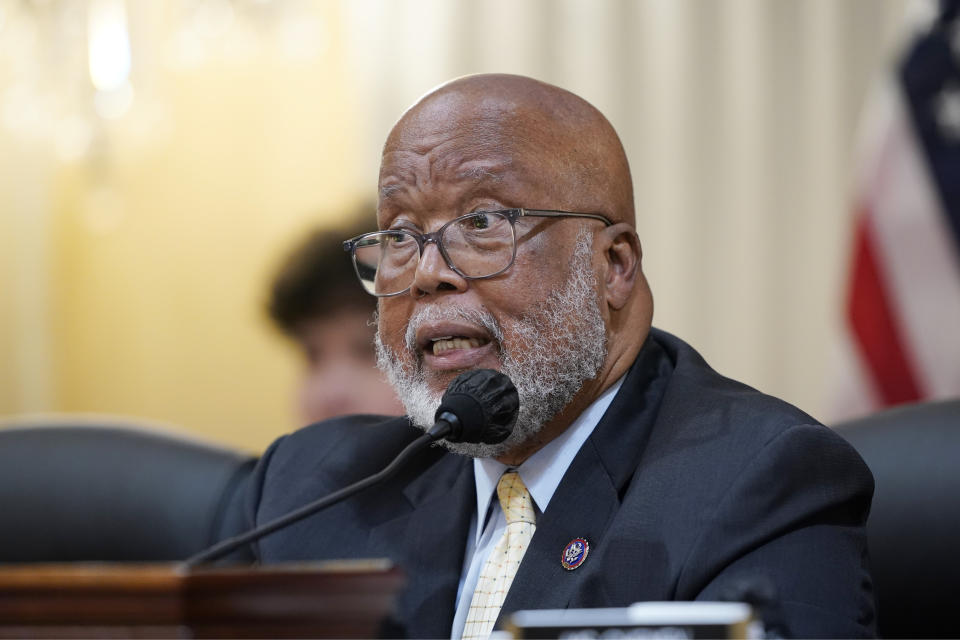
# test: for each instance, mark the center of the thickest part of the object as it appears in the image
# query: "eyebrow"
(480, 173)
(387, 190)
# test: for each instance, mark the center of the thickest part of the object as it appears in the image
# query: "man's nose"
(434, 275)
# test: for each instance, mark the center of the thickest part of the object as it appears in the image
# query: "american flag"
(903, 301)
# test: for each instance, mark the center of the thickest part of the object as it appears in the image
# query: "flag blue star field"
(903, 301)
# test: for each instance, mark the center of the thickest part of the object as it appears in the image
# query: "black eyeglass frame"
(423, 239)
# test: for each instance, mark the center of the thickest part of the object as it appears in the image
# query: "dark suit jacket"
(692, 486)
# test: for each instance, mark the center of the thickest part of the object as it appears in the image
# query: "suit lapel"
(588, 497)
(430, 539)
(582, 507)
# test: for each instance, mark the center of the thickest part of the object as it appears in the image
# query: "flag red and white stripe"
(902, 313)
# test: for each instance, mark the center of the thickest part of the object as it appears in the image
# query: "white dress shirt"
(541, 473)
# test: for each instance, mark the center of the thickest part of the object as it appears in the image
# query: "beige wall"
(133, 277)
(160, 251)
(25, 366)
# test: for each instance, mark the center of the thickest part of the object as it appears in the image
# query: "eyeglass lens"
(477, 245)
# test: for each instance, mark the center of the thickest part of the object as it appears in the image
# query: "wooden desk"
(321, 600)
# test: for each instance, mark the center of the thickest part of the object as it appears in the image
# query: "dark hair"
(317, 279)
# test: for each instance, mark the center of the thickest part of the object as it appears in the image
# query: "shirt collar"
(543, 471)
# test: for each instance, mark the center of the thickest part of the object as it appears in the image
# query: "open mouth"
(452, 345)
(448, 343)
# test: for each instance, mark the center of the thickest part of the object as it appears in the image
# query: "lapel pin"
(574, 553)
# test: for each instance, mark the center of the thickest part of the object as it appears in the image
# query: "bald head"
(525, 120)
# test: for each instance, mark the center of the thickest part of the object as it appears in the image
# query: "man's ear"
(622, 255)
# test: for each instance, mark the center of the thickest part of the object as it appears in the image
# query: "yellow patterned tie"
(501, 566)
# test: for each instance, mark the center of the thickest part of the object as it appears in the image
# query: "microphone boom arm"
(438, 431)
(479, 406)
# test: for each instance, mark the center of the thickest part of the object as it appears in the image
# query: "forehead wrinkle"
(397, 180)
(446, 168)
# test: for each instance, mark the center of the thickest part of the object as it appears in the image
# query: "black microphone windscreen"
(486, 403)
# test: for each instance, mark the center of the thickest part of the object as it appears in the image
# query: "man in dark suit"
(507, 242)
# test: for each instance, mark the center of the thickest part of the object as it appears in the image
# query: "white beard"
(553, 350)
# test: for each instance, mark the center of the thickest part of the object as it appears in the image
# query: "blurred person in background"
(315, 301)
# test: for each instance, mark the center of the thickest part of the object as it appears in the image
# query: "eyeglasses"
(478, 245)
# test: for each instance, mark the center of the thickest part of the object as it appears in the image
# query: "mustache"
(435, 313)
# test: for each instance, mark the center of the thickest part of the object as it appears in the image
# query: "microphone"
(478, 406)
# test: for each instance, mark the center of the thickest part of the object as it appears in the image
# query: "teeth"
(444, 344)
